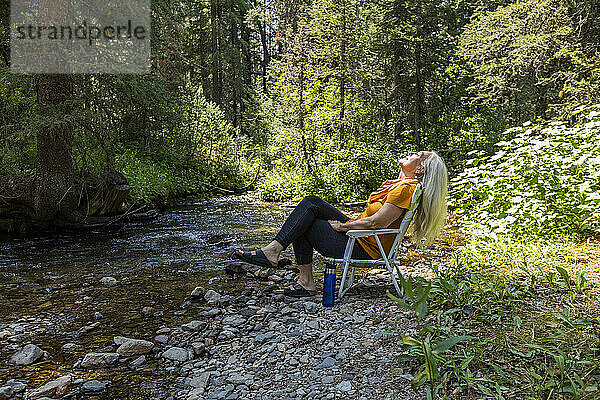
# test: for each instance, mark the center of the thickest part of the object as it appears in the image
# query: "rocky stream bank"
(256, 344)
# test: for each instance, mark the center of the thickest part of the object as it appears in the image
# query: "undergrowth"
(506, 320)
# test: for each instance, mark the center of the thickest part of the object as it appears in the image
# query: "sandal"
(297, 290)
(255, 259)
(261, 260)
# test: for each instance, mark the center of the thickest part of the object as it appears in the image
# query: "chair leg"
(352, 276)
(345, 265)
(397, 268)
(389, 267)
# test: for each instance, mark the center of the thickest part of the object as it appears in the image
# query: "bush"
(544, 181)
(336, 175)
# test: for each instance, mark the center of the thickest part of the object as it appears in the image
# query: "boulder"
(6, 392)
(135, 347)
(193, 326)
(108, 281)
(99, 360)
(212, 297)
(56, 388)
(27, 355)
(197, 293)
(93, 386)
(176, 354)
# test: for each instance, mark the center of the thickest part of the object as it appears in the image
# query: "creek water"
(50, 286)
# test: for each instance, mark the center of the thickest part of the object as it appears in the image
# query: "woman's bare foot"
(272, 252)
(305, 279)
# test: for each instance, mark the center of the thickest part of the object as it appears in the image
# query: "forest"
(286, 98)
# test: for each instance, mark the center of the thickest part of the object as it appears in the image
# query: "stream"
(50, 286)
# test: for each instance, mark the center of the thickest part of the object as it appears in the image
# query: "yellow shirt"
(397, 192)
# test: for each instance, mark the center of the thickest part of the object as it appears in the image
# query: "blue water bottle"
(329, 285)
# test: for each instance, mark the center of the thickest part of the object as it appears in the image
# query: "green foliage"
(17, 145)
(432, 344)
(517, 53)
(336, 174)
(200, 151)
(528, 338)
(544, 182)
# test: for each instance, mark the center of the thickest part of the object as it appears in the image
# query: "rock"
(262, 337)
(135, 347)
(29, 354)
(193, 326)
(266, 273)
(234, 320)
(108, 281)
(56, 388)
(6, 392)
(197, 293)
(119, 340)
(198, 348)
(327, 380)
(176, 354)
(236, 267)
(69, 347)
(16, 386)
(89, 328)
(93, 386)
(212, 297)
(248, 311)
(314, 324)
(328, 362)
(138, 361)
(291, 321)
(99, 360)
(310, 307)
(147, 310)
(200, 382)
(5, 334)
(186, 303)
(344, 386)
(162, 339)
(225, 300)
(237, 379)
(213, 312)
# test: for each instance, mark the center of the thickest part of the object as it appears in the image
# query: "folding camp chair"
(389, 259)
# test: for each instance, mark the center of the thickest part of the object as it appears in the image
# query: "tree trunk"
(301, 116)
(5, 22)
(247, 66)
(262, 27)
(237, 71)
(419, 96)
(216, 56)
(53, 193)
(343, 72)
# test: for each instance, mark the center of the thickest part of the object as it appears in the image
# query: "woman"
(316, 225)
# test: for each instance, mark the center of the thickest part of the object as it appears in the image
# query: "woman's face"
(413, 161)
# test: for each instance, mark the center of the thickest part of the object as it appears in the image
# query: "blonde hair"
(430, 216)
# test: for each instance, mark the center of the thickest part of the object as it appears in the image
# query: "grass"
(531, 312)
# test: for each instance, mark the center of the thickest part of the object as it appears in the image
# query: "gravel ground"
(255, 345)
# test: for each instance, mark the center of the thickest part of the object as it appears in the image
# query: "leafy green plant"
(427, 347)
(544, 181)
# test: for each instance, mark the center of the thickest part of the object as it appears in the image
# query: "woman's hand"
(337, 225)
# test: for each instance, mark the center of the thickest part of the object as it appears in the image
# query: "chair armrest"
(356, 233)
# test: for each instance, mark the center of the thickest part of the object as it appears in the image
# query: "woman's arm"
(380, 220)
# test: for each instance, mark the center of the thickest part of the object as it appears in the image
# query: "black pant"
(307, 228)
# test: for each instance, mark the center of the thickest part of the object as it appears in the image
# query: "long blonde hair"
(430, 216)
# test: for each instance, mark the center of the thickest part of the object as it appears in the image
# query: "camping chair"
(388, 259)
